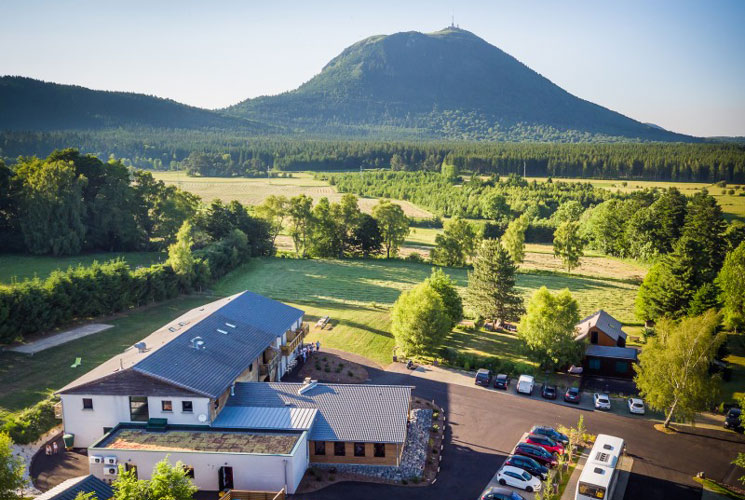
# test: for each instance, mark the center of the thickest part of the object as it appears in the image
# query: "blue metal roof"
(602, 351)
(255, 417)
(68, 490)
(262, 312)
(211, 369)
(234, 335)
(346, 412)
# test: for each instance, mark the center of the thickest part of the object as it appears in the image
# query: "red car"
(546, 443)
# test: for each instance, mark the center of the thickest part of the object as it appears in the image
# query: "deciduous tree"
(514, 238)
(301, 222)
(569, 244)
(547, 328)
(731, 281)
(420, 321)
(11, 470)
(456, 244)
(393, 224)
(446, 289)
(673, 370)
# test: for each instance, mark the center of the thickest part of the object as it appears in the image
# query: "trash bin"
(68, 439)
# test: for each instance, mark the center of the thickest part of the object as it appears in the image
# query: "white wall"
(108, 411)
(250, 472)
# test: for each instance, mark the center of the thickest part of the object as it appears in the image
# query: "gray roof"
(169, 357)
(604, 322)
(602, 351)
(255, 417)
(346, 412)
(210, 370)
(69, 489)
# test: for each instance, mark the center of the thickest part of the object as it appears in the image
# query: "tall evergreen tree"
(491, 291)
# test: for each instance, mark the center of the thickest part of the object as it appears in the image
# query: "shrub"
(30, 424)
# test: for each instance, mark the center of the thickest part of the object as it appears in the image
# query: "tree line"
(336, 230)
(169, 149)
(69, 203)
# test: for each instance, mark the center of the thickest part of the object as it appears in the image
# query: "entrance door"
(225, 478)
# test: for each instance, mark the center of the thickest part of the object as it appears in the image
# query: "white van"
(525, 384)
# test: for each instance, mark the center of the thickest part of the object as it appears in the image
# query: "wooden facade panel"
(392, 454)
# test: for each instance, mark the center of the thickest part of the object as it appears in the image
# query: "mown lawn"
(357, 295)
(20, 267)
(28, 379)
(735, 387)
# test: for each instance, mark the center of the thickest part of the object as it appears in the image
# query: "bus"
(599, 476)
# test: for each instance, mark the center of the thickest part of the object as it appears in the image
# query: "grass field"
(20, 267)
(357, 295)
(254, 191)
(28, 379)
(736, 386)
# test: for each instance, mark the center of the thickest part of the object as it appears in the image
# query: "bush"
(30, 424)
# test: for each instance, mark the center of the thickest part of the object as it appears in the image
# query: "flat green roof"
(218, 441)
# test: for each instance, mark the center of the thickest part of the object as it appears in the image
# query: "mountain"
(29, 104)
(450, 84)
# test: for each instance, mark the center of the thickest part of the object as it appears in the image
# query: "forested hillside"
(161, 149)
(29, 104)
(450, 84)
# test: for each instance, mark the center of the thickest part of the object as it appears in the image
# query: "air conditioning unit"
(95, 459)
(110, 460)
(110, 471)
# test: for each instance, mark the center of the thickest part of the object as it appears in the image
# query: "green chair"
(78, 362)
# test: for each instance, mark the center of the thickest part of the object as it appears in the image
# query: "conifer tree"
(491, 291)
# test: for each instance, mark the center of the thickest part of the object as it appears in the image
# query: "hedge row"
(468, 362)
(31, 423)
(36, 305)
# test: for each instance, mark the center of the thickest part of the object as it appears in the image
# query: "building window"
(359, 449)
(166, 405)
(593, 363)
(131, 467)
(138, 411)
(189, 471)
(621, 342)
(379, 449)
(593, 337)
(319, 448)
(187, 407)
(87, 403)
(106, 430)
(339, 449)
(621, 366)
(250, 367)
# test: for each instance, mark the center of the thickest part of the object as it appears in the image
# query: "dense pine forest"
(226, 154)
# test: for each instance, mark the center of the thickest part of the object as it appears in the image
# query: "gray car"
(499, 493)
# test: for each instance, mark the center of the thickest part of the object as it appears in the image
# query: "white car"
(525, 384)
(602, 402)
(636, 406)
(518, 478)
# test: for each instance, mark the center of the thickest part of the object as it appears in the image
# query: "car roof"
(636, 400)
(482, 370)
(599, 395)
(500, 490)
(573, 389)
(512, 468)
(502, 375)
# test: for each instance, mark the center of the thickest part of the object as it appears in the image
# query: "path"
(59, 338)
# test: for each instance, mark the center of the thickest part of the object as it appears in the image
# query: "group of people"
(309, 348)
(52, 449)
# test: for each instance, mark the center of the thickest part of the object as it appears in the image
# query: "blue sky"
(679, 64)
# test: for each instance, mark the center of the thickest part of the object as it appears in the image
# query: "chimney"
(308, 384)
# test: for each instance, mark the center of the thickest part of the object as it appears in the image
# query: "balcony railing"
(294, 339)
(253, 495)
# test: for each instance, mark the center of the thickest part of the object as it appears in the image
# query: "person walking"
(318, 345)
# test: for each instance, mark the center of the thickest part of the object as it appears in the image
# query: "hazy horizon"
(678, 65)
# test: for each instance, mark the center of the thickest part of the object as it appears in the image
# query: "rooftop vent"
(599, 470)
(602, 457)
(141, 346)
(607, 446)
(308, 384)
(222, 331)
(231, 325)
(197, 343)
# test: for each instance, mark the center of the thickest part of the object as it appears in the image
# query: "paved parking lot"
(486, 424)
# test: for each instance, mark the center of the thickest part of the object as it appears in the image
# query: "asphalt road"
(483, 427)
